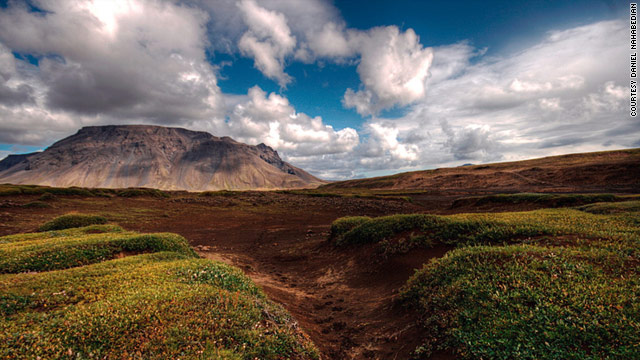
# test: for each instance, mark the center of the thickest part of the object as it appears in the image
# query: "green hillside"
(545, 284)
(102, 292)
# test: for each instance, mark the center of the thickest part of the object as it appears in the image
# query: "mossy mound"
(157, 300)
(72, 221)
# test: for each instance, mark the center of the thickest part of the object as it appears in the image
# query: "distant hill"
(598, 171)
(120, 156)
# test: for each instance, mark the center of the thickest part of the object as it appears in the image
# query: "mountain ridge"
(167, 158)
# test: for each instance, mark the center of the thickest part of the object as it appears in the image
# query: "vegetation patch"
(47, 196)
(224, 193)
(93, 229)
(343, 225)
(51, 251)
(528, 302)
(544, 284)
(444, 229)
(37, 205)
(548, 226)
(612, 208)
(546, 200)
(352, 193)
(9, 189)
(136, 192)
(163, 304)
(71, 221)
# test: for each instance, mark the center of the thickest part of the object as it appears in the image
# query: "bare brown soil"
(342, 298)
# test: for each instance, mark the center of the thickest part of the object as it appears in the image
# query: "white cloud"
(136, 59)
(331, 42)
(393, 68)
(568, 93)
(386, 139)
(268, 40)
(271, 119)
(148, 61)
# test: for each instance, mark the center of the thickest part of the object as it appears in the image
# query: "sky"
(343, 89)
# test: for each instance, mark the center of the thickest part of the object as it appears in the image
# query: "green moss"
(93, 229)
(166, 304)
(224, 193)
(554, 284)
(37, 205)
(528, 302)
(343, 225)
(47, 196)
(136, 192)
(145, 306)
(444, 229)
(8, 189)
(50, 251)
(540, 226)
(547, 200)
(71, 221)
(354, 193)
(612, 208)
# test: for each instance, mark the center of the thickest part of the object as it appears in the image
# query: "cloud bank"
(67, 64)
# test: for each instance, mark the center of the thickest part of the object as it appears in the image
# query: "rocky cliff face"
(156, 157)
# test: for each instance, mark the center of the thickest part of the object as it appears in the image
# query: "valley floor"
(343, 298)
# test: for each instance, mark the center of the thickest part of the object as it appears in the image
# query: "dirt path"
(342, 299)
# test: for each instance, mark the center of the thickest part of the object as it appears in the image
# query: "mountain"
(598, 171)
(120, 156)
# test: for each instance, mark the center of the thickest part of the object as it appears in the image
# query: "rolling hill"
(598, 171)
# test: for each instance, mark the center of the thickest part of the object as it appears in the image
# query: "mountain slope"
(119, 156)
(599, 171)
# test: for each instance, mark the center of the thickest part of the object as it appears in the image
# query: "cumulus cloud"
(331, 42)
(136, 59)
(392, 64)
(393, 68)
(13, 89)
(568, 93)
(268, 40)
(473, 142)
(271, 119)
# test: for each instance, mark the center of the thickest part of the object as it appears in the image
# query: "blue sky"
(343, 89)
(499, 26)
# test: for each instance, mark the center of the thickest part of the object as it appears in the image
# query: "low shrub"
(612, 208)
(135, 192)
(546, 200)
(71, 221)
(47, 196)
(37, 205)
(50, 251)
(343, 225)
(225, 193)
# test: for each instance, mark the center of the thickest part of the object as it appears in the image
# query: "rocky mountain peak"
(157, 157)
